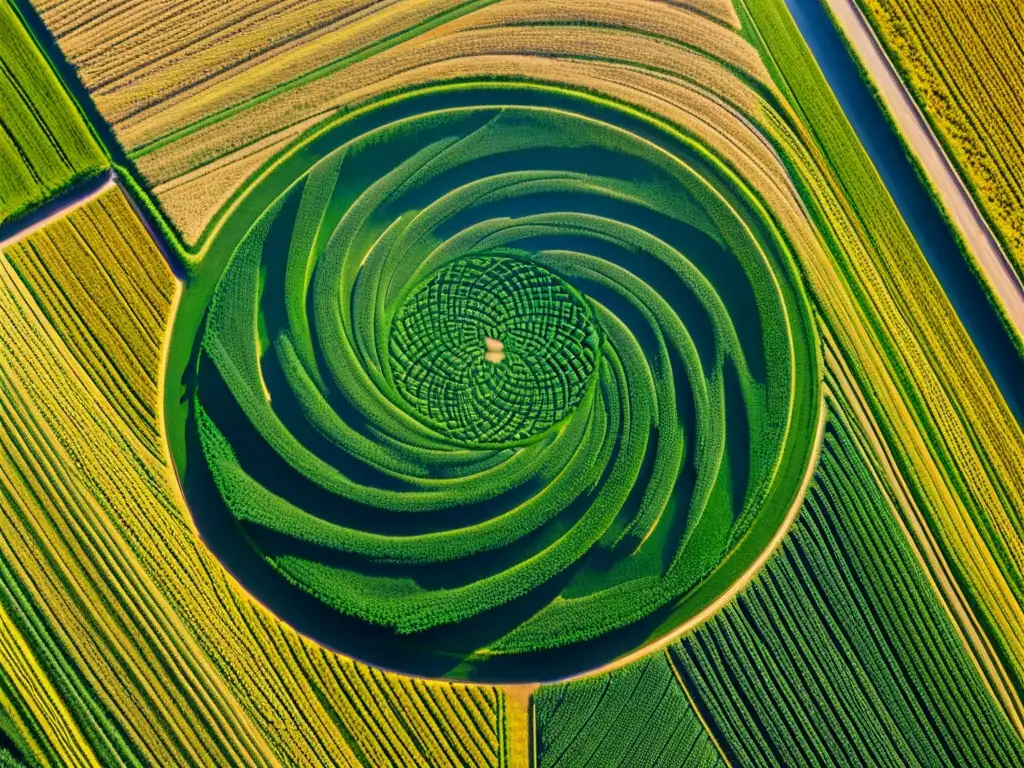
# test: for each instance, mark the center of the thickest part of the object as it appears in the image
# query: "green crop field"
(635, 715)
(587, 478)
(44, 144)
(843, 630)
(490, 383)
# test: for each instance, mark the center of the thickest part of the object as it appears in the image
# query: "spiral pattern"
(507, 370)
(492, 350)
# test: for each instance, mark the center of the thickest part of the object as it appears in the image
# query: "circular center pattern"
(493, 349)
(497, 382)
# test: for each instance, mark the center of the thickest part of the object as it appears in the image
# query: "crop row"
(952, 435)
(77, 261)
(961, 61)
(636, 715)
(840, 653)
(157, 655)
(198, 127)
(44, 145)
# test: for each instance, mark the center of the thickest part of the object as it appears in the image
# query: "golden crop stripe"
(96, 576)
(37, 693)
(960, 65)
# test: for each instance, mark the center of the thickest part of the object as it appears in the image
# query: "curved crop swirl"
(506, 372)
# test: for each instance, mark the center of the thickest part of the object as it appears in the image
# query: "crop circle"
(542, 351)
(498, 382)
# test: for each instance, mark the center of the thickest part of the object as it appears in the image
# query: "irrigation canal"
(920, 211)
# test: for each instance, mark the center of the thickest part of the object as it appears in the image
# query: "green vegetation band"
(507, 371)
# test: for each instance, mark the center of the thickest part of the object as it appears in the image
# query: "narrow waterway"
(915, 204)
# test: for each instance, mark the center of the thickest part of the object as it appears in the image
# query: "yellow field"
(33, 705)
(130, 623)
(197, 126)
(109, 548)
(962, 60)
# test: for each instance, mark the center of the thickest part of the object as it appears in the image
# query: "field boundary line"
(696, 709)
(953, 193)
(924, 546)
(529, 692)
(74, 199)
(519, 721)
(172, 259)
(534, 757)
(748, 575)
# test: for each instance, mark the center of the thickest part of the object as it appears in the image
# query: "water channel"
(919, 210)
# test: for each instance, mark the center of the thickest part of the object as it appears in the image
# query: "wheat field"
(535, 383)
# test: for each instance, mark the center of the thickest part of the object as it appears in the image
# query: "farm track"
(951, 189)
(75, 199)
(83, 194)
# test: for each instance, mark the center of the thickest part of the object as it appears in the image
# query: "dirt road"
(952, 192)
(76, 199)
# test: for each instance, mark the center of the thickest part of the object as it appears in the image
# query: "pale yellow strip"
(520, 731)
(41, 700)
